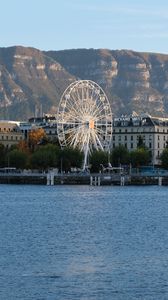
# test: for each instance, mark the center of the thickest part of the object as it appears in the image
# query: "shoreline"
(96, 179)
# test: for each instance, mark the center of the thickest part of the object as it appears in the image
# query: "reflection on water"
(81, 242)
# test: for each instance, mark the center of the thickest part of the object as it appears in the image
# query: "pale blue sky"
(66, 24)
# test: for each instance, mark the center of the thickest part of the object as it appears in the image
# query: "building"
(48, 123)
(153, 132)
(10, 133)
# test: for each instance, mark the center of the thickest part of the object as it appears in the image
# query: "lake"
(82, 242)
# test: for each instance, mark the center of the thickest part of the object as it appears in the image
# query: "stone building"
(10, 133)
(153, 132)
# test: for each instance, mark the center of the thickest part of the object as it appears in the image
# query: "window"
(150, 145)
(132, 145)
(113, 137)
(125, 137)
(113, 145)
(132, 137)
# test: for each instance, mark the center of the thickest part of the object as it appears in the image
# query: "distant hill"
(33, 80)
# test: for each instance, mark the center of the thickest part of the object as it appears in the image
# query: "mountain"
(32, 80)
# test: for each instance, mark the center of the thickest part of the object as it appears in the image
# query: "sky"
(71, 24)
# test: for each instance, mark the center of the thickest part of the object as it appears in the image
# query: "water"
(81, 242)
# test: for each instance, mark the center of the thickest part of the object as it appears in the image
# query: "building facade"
(10, 133)
(153, 132)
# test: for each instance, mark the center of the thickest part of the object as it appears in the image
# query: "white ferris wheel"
(84, 118)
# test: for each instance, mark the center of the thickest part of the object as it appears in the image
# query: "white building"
(128, 130)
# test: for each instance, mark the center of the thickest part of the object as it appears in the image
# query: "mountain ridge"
(31, 79)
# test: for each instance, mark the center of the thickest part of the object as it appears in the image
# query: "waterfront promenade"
(95, 179)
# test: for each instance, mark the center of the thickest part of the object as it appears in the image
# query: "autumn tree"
(35, 137)
(23, 146)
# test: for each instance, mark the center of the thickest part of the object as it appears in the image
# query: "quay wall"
(82, 179)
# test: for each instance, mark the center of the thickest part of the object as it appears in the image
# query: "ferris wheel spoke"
(102, 118)
(100, 131)
(98, 110)
(73, 102)
(94, 140)
(71, 130)
(74, 112)
(75, 139)
(99, 143)
(70, 123)
(70, 139)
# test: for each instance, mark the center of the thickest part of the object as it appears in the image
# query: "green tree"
(2, 155)
(164, 158)
(97, 159)
(16, 158)
(140, 157)
(120, 155)
(140, 143)
(70, 158)
(45, 157)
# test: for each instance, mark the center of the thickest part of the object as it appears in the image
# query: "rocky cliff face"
(31, 79)
(132, 80)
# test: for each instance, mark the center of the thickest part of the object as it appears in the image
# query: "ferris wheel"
(84, 118)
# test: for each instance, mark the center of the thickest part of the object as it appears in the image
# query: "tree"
(45, 157)
(120, 155)
(140, 157)
(164, 158)
(16, 158)
(140, 143)
(35, 137)
(2, 155)
(23, 146)
(70, 158)
(97, 159)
